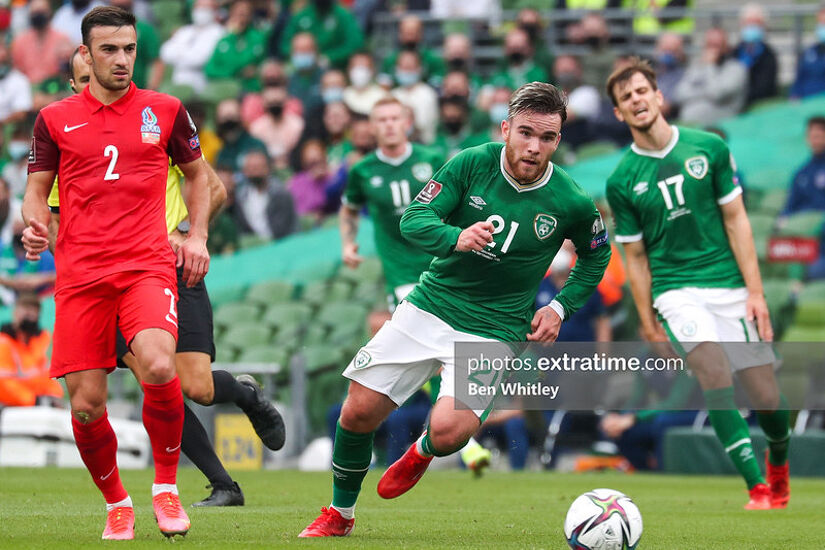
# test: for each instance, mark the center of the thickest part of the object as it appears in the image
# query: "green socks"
(777, 427)
(351, 456)
(732, 431)
(425, 446)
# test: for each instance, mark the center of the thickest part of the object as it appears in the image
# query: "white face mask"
(360, 76)
(202, 17)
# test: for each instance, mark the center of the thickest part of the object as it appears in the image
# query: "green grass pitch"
(59, 509)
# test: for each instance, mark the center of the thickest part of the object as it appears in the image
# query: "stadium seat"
(771, 202)
(265, 354)
(762, 226)
(595, 149)
(812, 291)
(218, 90)
(335, 314)
(247, 335)
(803, 224)
(270, 292)
(314, 293)
(288, 336)
(225, 354)
(320, 356)
(369, 270)
(287, 314)
(339, 290)
(181, 91)
(370, 294)
(235, 313)
(226, 295)
(316, 333)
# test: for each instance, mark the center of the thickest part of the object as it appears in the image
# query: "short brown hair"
(105, 16)
(386, 100)
(626, 71)
(538, 97)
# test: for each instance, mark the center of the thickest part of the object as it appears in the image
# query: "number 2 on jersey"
(498, 227)
(111, 175)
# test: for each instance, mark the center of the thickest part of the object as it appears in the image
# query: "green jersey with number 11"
(386, 186)
(491, 292)
(671, 199)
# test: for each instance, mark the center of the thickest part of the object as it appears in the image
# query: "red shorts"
(87, 317)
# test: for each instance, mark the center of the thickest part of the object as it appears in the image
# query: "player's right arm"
(639, 276)
(43, 161)
(348, 216)
(423, 222)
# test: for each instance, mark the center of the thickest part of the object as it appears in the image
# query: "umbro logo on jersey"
(67, 128)
(477, 202)
(640, 188)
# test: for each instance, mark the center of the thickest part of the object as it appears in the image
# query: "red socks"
(97, 444)
(163, 420)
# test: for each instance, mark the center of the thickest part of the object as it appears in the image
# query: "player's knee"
(89, 408)
(357, 418)
(447, 437)
(158, 369)
(200, 391)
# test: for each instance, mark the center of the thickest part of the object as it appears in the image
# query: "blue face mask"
(499, 112)
(18, 149)
(303, 61)
(407, 78)
(332, 95)
(820, 33)
(752, 34)
(668, 60)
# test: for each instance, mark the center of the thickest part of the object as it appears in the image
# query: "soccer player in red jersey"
(110, 147)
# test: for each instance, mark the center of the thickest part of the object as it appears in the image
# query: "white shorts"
(695, 315)
(398, 295)
(408, 351)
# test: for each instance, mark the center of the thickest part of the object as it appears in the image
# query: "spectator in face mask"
(24, 362)
(593, 35)
(305, 73)
(415, 94)
(334, 28)
(410, 35)
(278, 129)
(458, 86)
(362, 92)
(68, 17)
(40, 52)
(265, 206)
(361, 138)
(670, 68)
(337, 119)
(810, 73)
(756, 54)
(188, 50)
(309, 186)
(236, 141)
(455, 132)
(583, 101)
(519, 65)
(272, 75)
(529, 20)
(15, 88)
(240, 51)
(19, 275)
(16, 171)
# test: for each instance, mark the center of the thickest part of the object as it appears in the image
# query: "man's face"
(816, 139)
(80, 70)
(25, 312)
(255, 167)
(361, 136)
(390, 124)
(111, 55)
(530, 139)
(637, 103)
(336, 118)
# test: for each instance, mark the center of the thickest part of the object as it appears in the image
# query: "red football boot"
(760, 498)
(329, 524)
(172, 519)
(779, 480)
(403, 474)
(120, 524)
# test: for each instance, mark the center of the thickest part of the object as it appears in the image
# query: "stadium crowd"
(281, 93)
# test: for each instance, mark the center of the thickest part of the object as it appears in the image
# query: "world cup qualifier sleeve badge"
(149, 129)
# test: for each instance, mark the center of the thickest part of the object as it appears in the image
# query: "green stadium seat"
(236, 313)
(287, 314)
(289, 336)
(314, 292)
(270, 292)
(369, 270)
(339, 290)
(316, 334)
(812, 291)
(369, 294)
(321, 356)
(181, 91)
(225, 295)
(245, 336)
(225, 354)
(336, 314)
(772, 202)
(218, 90)
(803, 224)
(265, 354)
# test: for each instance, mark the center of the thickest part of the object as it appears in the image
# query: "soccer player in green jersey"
(386, 181)
(494, 217)
(691, 261)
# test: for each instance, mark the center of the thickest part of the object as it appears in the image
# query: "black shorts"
(194, 322)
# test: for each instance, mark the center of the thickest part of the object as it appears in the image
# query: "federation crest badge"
(422, 171)
(362, 359)
(544, 225)
(149, 129)
(697, 166)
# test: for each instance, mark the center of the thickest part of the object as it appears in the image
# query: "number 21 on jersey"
(498, 227)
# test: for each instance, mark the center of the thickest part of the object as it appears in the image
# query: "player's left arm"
(728, 195)
(740, 237)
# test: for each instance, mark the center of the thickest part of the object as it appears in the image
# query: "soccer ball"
(603, 519)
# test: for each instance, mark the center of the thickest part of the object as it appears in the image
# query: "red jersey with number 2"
(112, 162)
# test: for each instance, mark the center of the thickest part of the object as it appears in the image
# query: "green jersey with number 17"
(491, 292)
(671, 200)
(386, 186)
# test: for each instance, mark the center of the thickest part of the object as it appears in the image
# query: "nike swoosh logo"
(68, 128)
(104, 478)
(168, 450)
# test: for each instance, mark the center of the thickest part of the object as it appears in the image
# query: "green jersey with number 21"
(491, 293)
(671, 200)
